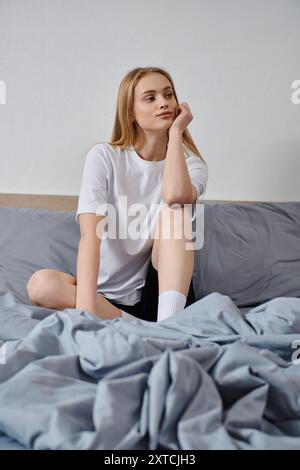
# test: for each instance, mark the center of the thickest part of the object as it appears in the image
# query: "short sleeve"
(94, 184)
(198, 172)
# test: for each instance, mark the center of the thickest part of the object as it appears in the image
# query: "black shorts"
(147, 308)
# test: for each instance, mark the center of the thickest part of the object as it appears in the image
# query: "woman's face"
(148, 105)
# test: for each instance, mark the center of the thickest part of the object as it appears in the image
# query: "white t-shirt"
(121, 181)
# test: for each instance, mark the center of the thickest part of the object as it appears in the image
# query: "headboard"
(45, 202)
(49, 202)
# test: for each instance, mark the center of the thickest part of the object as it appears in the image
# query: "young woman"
(144, 164)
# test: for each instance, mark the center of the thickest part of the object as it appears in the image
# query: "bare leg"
(175, 264)
(105, 309)
(61, 293)
(67, 295)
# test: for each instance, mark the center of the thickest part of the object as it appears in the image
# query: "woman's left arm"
(176, 182)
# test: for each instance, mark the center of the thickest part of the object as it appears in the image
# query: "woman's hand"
(183, 118)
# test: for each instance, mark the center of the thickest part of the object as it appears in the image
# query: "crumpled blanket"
(207, 378)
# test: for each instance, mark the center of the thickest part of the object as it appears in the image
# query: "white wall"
(233, 61)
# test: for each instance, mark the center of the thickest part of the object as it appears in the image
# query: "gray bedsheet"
(7, 443)
(208, 378)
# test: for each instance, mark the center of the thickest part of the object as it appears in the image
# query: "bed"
(222, 374)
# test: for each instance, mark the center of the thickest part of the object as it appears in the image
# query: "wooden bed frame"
(39, 202)
(63, 203)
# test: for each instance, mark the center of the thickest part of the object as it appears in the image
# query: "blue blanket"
(208, 378)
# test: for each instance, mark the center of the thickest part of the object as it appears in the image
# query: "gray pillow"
(251, 252)
(32, 240)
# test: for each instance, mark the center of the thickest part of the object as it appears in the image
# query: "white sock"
(127, 316)
(170, 302)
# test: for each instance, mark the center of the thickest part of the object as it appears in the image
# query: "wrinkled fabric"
(207, 378)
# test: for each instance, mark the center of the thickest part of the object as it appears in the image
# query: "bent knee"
(176, 218)
(40, 286)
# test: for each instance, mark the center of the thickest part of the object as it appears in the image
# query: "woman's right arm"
(88, 261)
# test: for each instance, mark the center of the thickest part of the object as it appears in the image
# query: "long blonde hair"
(124, 130)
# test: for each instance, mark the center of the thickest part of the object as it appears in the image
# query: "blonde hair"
(124, 130)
